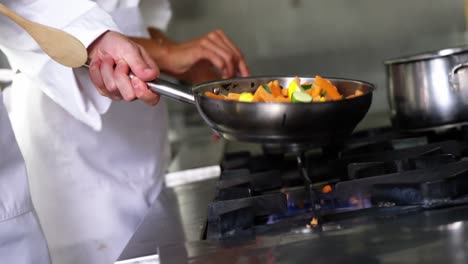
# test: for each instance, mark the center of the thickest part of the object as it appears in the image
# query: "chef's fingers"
(95, 76)
(197, 53)
(133, 56)
(147, 58)
(222, 52)
(147, 95)
(141, 88)
(213, 58)
(243, 68)
(241, 63)
(107, 73)
(143, 93)
(153, 32)
(122, 81)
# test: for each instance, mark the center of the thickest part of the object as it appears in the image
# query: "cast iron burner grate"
(375, 173)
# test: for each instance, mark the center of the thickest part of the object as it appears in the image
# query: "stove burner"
(257, 182)
(236, 217)
(376, 173)
(433, 193)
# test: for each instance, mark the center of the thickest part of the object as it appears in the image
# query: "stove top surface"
(377, 172)
(436, 236)
(381, 197)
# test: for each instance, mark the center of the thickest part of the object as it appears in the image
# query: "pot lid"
(428, 55)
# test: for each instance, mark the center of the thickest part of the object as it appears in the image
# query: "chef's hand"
(112, 57)
(214, 47)
(202, 71)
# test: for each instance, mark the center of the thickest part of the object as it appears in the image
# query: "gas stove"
(380, 197)
(375, 174)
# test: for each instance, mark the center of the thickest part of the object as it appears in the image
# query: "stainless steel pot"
(429, 91)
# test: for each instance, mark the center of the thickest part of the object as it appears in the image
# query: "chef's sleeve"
(69, 88)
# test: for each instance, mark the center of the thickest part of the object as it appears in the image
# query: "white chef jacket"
(21, 238)
(95, 165)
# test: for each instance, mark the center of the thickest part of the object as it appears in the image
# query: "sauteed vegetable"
(321, 90)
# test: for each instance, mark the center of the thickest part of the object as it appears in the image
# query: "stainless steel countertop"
(177, 216)
(438, 236)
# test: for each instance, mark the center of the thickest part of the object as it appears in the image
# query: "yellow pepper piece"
(293, 87)
(246, 97)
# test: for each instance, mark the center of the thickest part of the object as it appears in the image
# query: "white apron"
(21, 239)
(95, 165)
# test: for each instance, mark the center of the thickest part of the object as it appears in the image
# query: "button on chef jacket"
(95, 165)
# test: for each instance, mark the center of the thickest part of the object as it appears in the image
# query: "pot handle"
(453, 80)
(166, 88)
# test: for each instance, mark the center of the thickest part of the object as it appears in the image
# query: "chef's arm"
(203, 59)
(69, 16)
(71, 88)
(82, 19)
(192, 72)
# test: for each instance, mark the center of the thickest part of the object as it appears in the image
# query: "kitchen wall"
(328, 37)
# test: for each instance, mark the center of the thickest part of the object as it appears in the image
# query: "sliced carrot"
(233, 96)
(314, 222)
(275, 89)
(314, 91)
(215, 96)
(284, 92)
(257, 97)
(316, 98)
(262, 95)
(282, 99)
(268, 98)
(331, 91)
(327, 189)
(276, 83)
(358, 92)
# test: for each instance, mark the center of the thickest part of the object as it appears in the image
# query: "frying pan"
(274, 123)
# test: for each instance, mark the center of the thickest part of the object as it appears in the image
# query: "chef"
(75, 235)
(95, 161)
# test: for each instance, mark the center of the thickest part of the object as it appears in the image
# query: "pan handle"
(170, 89)
(453, 80)
(166, 88)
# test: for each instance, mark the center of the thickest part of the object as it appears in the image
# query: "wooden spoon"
(59, 45)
